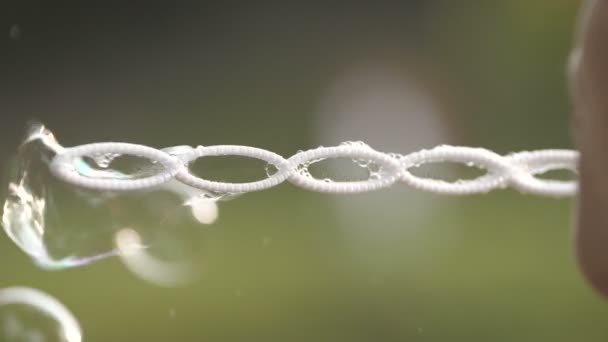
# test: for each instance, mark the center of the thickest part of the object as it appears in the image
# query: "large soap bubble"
(31, 315)
(60, 225)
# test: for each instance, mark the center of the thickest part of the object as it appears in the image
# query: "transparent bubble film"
(60, 225)
(29, 315)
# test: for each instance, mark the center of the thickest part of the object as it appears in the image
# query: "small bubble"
(204, 209)
(304, 172)
(375, 176)
(178, 150)
(270, 170)
(15, 32)
(355, 143)
(363, 163)
(104, 160)
(135, 256)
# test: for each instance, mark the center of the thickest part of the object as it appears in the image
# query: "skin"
(588, 73)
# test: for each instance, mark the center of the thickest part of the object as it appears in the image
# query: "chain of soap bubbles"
(516, 170)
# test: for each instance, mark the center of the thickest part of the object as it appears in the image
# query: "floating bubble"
(148, 267)
(15, 32)
(30, 315)
(103, 160)
(204, 209)
(60, 225)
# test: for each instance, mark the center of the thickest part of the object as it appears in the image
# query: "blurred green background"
(286, 264)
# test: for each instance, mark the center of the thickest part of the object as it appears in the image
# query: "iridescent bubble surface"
(59, 225)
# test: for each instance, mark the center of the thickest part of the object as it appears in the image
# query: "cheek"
(592, 239)
(588, 87)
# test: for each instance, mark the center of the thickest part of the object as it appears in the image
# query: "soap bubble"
(60, 225)
(148, 267)
(29, 315)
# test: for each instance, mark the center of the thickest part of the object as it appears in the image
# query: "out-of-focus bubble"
(143, 264)
(204, 209)
(15, 32)
(30, 315)
(391, 110)
(60, 225)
